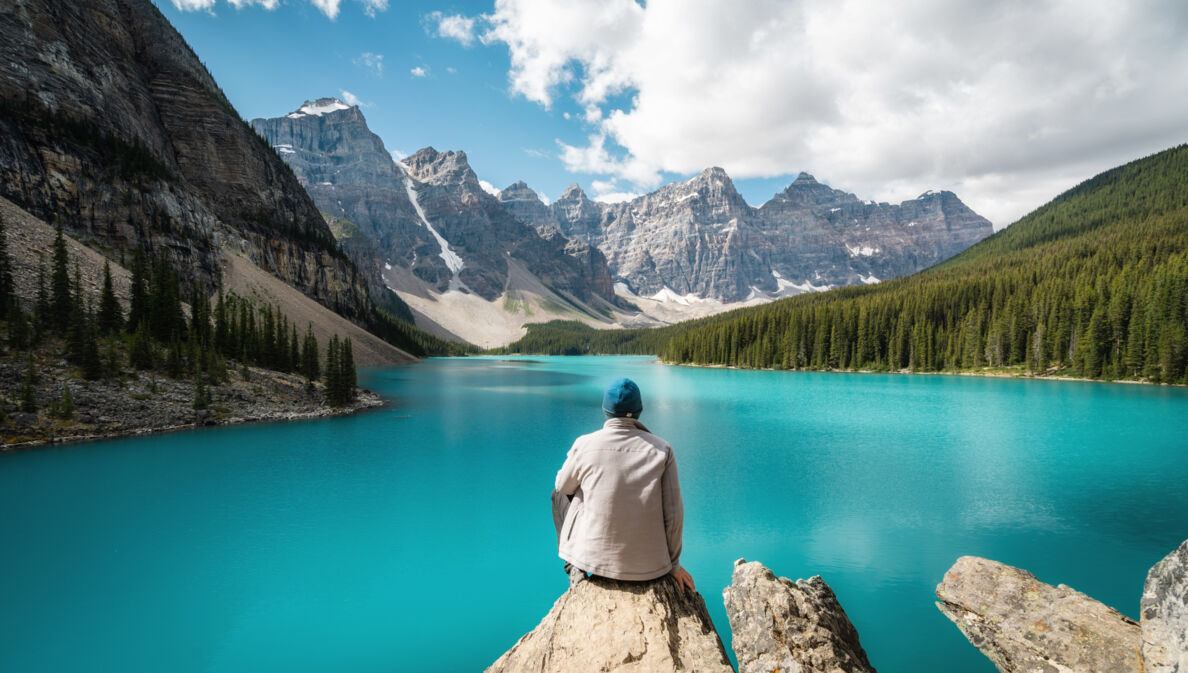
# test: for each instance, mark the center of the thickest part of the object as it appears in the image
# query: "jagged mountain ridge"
(114, 129)
(429, 226)
(699, 238)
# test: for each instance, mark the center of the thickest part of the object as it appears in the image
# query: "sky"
(1006, 103)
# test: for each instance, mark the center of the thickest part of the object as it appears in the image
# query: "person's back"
(617, 500)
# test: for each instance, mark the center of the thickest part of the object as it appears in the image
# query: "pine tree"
(174, 365)
(138, 311)
(201, 396)
(7, 289)
(61, 300)
(41, 317)
(309, 356)
(89, 360)
(19, 330)
(333, 373)
(140, 352)
(111, 318)
(348, 371)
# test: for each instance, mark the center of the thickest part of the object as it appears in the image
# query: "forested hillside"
(1093, 284)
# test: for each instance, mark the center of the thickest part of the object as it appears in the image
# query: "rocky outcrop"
(112, 128)
(700, 237)
(1165, 614)
(781, 625)
(604, 625)
(1026, 626)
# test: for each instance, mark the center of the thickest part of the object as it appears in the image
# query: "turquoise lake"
(418, 537)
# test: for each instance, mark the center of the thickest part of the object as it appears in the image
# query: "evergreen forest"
(1093, 284)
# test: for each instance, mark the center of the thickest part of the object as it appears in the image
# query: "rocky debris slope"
(781, 625)
(700, 237)
(1024, 625)
(114, 129)
(1164, 609)
(604, 625)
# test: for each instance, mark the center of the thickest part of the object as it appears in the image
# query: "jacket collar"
(624, 422)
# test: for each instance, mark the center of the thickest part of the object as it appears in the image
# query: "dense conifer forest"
(1093, 284)
(100, 340)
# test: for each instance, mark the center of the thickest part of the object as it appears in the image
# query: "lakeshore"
(141, 403)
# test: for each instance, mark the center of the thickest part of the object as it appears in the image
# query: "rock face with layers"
(428, 214)
(621, 627)
(1026, 626)
(114, 129)
(1165, 614)
(781, 625)
(700, 237)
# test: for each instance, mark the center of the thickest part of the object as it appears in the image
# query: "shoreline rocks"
(1164, 609)
(781, 625)
(605, 625)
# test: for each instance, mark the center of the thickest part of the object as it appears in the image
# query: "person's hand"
(683, 579)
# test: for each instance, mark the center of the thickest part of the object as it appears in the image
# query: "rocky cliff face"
(699, 237)
(113, 129)
(429, 214)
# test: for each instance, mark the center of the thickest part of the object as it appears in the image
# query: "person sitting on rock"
(617, 501)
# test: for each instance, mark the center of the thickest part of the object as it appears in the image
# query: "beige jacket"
(626, 516)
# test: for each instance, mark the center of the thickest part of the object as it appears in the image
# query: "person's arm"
(674, 521)
(567, 480)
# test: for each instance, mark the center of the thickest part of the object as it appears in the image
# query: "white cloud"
(370, 7)
(1000, 103)
(397, 155)
(607, 191)
(616, 197)
(351, 99)
(194, 5)
(489, 188)
(419, 72)
(328, 7)
(454, 26)
(372, 62)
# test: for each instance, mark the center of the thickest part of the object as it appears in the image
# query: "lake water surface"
(418, 537)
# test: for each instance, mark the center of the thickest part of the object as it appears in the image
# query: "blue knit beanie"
(622, 399)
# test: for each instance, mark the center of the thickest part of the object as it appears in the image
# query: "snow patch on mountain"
(861, 250)
(452, 261)
(318, 108)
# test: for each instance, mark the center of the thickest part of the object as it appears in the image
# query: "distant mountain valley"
(476, 266)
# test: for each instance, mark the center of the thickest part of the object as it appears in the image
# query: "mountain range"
(477, 266)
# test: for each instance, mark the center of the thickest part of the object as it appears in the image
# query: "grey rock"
(701, 237)
(1165, 614)
(604, 625)
(349, 173)
(25, 420)
(1026, 626)
(781, 625)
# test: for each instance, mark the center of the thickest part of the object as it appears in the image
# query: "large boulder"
(603, 625)
(781, 625)
(1165, 614)
(1026, 626)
